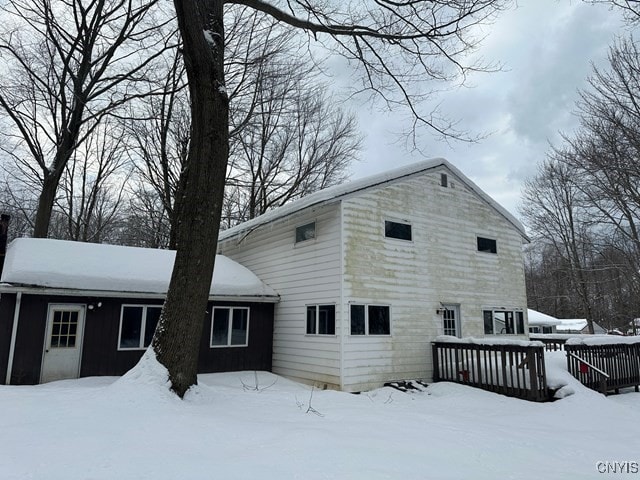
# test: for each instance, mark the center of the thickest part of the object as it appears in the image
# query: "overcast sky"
(546, 47)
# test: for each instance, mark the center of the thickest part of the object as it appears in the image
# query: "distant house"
(70, 309)
(369, 273)
(578, 325)
(541, 322)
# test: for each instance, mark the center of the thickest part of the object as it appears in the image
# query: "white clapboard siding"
(303, 274)
(440, 265)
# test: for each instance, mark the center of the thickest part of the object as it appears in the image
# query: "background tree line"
(583, 206)
(95, 120)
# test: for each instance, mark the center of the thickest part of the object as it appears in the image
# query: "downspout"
(343, 314)
(14, 332)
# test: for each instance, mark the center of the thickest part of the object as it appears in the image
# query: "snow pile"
(488, 341)
(113, 268)
(81, 429)
(602, 340)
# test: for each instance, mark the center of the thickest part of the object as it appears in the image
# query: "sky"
(547, 48)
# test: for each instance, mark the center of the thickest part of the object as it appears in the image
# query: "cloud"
(547, 48)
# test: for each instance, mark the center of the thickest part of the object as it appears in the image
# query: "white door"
(451, 319)
(63, 343)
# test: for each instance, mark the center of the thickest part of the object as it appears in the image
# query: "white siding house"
(394, 260)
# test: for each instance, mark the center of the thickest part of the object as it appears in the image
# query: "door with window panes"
(63, 343)
(451, 319)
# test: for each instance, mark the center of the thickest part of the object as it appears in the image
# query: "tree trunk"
(45, 206)
(198, 208)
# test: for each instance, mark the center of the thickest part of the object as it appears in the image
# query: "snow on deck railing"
(511, 367)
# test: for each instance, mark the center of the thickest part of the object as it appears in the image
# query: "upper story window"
(306, 232)
(370, 320)
(444, 180)
(398, 230)
(487, 245)
(230, 327)
(503, 322)
(137, 325)
(321, 319)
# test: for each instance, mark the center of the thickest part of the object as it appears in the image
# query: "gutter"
(30, 289)
(14, 334)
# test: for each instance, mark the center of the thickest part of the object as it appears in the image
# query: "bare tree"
(145, 222)
(92, 187)
(395, 43)
(555, 210)
(287, 137)
(630, 8)
(297, 142)
(66, 64)
(158, 131)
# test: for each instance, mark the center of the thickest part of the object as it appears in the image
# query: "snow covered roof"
(577, 325)
(59, 264)
(541, 319)
(332, 194)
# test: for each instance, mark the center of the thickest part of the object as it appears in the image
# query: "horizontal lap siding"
(306, 273)
(441, 264)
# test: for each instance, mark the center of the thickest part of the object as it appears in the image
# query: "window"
(64, 329)
(503, 322)
(229, 327)
(487, 245)
(370, 320)
(306, 232)
(137, 325)
(444, 181)
(400, 231)
(450, 320)
(321, 319)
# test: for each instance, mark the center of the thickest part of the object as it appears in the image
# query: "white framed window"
(487, 245)
(229, 327)
(137, 325)
(369, 319)
(306, 232)
(500, 321)
(321, 319)
(398, 230)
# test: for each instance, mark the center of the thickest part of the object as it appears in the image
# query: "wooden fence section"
(512, 370)
(550, 344)
(605, 367)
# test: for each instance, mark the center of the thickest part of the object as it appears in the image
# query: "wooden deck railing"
(550, 344)
(620, 362)
(513, 370)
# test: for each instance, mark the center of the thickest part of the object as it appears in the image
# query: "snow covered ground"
(133, 428)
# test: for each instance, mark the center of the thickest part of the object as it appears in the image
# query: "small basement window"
(503, 322)
(400, 231)
(137, 325)
(321, 319)
(487, 245)
(230, 327)
(306, 232)
(370, 320)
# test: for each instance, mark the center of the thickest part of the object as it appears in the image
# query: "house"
(70, 309)
(369, 273)
(541, 323)
(578, 325)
